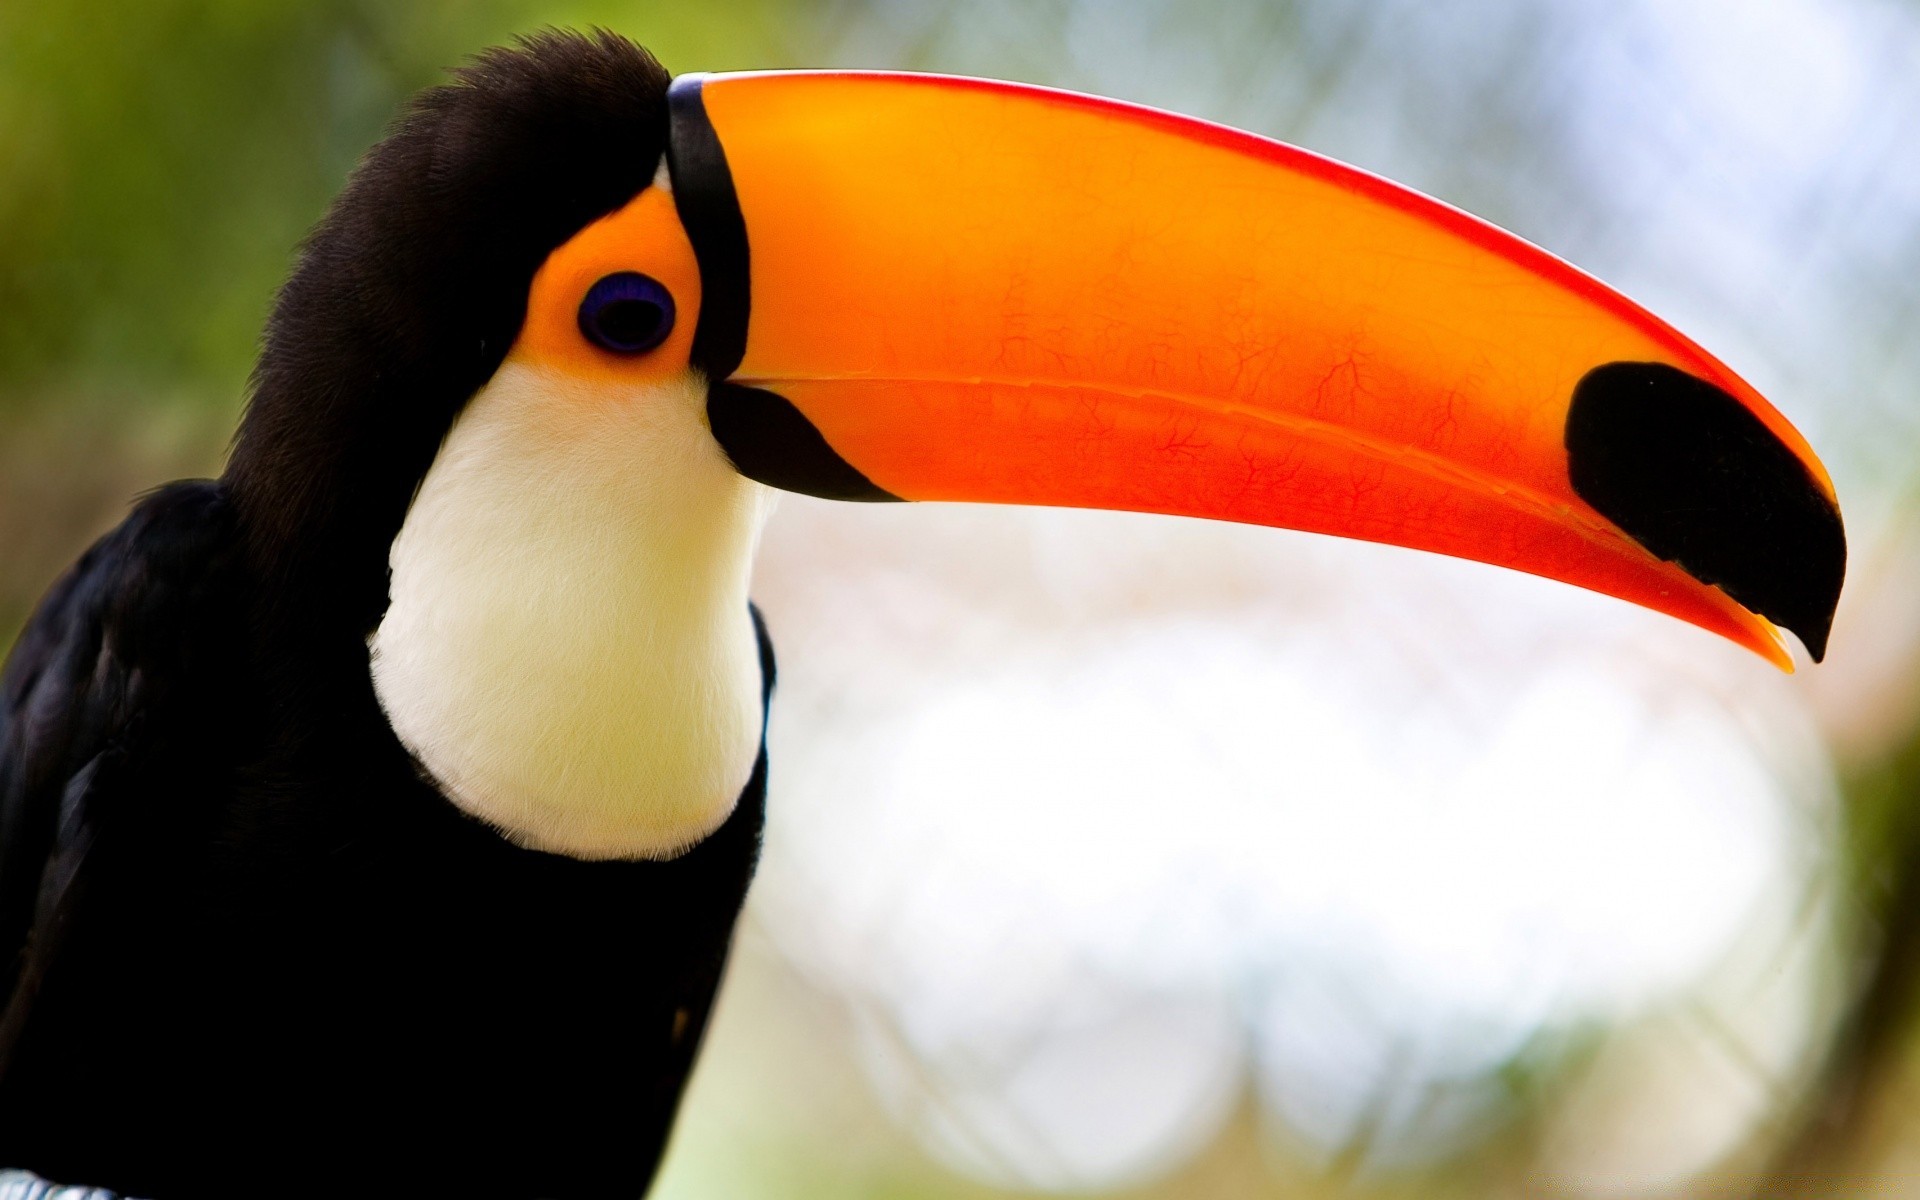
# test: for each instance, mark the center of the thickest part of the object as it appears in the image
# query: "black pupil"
(627, 313)
(630, 322)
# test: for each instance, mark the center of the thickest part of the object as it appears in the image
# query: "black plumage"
(247, 948)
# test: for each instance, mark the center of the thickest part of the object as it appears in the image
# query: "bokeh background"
(1112, 855)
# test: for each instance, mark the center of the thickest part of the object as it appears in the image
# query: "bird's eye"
(627, 313)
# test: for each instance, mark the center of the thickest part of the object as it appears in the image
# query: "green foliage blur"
(160, 161)
(163, 159)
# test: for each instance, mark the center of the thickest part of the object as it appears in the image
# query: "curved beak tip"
(1689, 472)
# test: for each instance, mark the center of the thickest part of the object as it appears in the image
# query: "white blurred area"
(1098, 821)
(1095, 838)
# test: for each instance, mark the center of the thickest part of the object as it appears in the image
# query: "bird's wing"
(101, 700)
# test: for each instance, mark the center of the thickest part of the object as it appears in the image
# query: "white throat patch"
(568, 648)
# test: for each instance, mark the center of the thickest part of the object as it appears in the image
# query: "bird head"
(528, 389)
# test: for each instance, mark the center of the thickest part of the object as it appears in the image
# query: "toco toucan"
(377, 815)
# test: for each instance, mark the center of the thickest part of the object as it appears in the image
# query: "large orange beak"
(926, 288)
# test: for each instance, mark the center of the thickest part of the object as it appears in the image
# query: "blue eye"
(627, 313)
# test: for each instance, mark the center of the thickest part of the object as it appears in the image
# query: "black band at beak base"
(769, 440)
(709, 211)
(763, 434)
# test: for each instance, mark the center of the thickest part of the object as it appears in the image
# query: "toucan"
(377, 815)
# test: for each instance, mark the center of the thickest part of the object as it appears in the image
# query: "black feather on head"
(406, 297)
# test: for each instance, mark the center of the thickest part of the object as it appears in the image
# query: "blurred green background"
(1275, 1023)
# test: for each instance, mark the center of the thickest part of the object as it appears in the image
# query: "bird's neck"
(568, 650)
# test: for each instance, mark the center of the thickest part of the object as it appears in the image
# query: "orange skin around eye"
(644, 236)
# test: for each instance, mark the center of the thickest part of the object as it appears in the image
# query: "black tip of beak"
(1690, 473)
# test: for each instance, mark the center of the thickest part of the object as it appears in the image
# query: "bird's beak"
(926, 288)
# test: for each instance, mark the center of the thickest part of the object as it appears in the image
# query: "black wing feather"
(115, 677)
